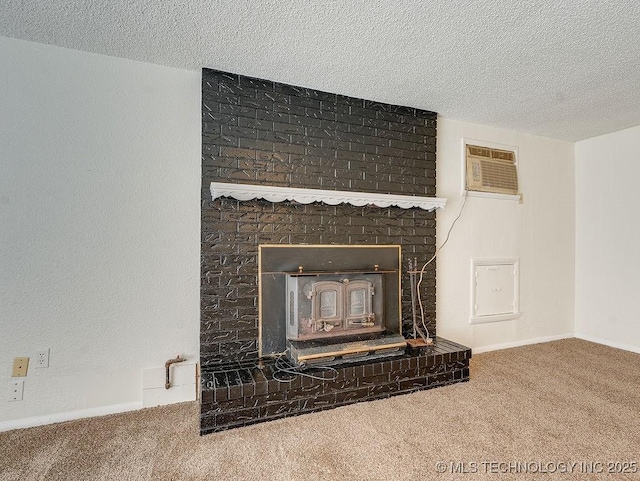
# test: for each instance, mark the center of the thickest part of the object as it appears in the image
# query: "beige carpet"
(544, 406)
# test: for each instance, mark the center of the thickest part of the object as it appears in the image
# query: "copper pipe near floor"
(167, 365)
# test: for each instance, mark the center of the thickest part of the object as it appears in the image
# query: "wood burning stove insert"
(325, 305)
(330, 304)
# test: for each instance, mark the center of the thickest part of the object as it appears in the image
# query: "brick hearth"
(240, 394)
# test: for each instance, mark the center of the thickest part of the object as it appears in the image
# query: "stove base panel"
(314, 354)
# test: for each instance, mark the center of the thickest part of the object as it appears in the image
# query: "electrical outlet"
(16, 389)
(42, 358)
(20, 367)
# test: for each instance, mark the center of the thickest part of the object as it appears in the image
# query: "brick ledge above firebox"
(331, 197)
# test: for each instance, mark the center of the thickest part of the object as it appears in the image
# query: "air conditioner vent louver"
(491, 170)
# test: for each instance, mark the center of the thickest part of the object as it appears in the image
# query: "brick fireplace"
(262, 132)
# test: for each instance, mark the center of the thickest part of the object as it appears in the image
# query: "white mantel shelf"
(331, 197)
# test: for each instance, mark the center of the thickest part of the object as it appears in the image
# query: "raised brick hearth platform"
(240, 393)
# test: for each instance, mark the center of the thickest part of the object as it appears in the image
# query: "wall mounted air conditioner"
(491, 170)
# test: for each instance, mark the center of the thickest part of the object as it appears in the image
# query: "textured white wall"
(99, 224)
(607, 233)
(99, 227)
(539, 232)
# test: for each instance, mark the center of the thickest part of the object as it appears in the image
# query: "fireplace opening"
(326, 304)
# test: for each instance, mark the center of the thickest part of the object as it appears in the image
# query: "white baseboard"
(607, 342)
(134, 406)
(184, 385)
(525, 342)
(68, 416)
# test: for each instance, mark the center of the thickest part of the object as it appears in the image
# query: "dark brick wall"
(259, 131)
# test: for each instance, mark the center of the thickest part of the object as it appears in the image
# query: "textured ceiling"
(562, 69)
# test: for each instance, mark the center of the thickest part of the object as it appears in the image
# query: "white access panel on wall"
(494, 290)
